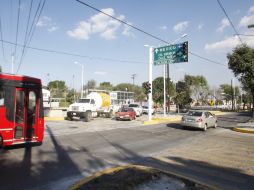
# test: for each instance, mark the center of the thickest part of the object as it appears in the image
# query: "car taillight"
(199, 120)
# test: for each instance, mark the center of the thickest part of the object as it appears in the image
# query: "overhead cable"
(140, 30)
(231, 23)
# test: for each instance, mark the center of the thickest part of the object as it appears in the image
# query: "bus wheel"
(88, 116)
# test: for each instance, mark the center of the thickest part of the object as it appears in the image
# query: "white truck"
(94, 105)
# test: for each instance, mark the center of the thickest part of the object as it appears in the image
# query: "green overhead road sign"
(251, 26)
(170, 54)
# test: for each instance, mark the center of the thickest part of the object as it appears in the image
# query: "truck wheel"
(109, 115)
(88, 116)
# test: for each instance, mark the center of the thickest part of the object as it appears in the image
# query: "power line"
(215, 62)
(231, 23)
(1, 37)
(17, 31)
(32, 30)
(142, 31)
(72, 54)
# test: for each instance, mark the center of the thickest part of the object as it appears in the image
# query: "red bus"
(21, 110)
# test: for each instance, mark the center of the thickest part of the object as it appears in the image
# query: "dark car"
(126, 113)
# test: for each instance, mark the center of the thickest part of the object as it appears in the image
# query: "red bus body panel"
(7, 128)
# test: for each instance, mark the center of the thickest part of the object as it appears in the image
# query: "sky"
(111, 51)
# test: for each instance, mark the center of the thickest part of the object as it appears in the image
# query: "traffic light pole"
(151, 83)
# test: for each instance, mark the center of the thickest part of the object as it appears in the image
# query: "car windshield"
(133, 105)
(145, 107)
(195, 113)
(84, 101)
(124, 110)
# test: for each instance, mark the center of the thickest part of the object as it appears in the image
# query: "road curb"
(162, 120)
(244, 130)
(119, 168)
(53, 118)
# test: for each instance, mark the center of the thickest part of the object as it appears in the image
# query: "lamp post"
(150, 82)
(82, 77)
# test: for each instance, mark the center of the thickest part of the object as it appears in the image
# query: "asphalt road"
(73, 150)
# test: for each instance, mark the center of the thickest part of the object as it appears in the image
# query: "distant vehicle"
(126, 113)
(183, 109)
(21, 110)
(95, 104)
(138, 108)
(145, 110)
(199, 119)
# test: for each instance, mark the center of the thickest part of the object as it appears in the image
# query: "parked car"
(199, 119)
(126, 113)
(145, 110)
(137, 107)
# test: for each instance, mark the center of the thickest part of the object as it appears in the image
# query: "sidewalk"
(245, 127)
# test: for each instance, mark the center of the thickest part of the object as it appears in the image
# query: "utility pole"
(133, 76)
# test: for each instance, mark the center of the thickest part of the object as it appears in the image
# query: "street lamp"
(150, 82)
(82, 77)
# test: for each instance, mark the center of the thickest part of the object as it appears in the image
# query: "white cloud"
(100, 73)
(82, 32)
(127, 31)
(46, 22)
(251, 9)
(247, 19)
(163, 27)
(228, 44)
(100, 24)
(53, 28)
(181, 26)
(200, 26)
(223, 24)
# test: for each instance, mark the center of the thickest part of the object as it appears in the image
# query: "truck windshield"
(84, 101)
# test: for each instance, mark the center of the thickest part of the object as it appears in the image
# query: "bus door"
(25, 115)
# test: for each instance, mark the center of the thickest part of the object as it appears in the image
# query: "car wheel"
(215, 125)
(205, 127)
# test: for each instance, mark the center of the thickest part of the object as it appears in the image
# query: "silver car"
(199, 119)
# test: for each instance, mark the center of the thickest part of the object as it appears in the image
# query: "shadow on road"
(222, 177)
(51, 165)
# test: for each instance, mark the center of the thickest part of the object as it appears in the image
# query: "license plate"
(73, 113)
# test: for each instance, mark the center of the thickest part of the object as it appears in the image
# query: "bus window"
(20, 95)
(1, 96)
(31, 109)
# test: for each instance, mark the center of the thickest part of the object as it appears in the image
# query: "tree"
(228, 92)
(106, 86)
(182, 98)
(198, 87)
(57, 88)
(158, 89)
(91, 84)
(241, 62)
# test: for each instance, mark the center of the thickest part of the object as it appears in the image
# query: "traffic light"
(149, 88)
(185, 48)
